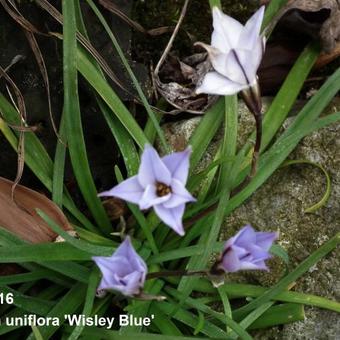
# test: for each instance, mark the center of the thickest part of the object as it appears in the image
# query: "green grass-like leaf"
(126, 64)
(74, 131)
(291, 277)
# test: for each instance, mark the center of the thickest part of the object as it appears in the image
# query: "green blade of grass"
(28, 303)
(46, 294)
(279, 315)
(179, 253)
(68, 304)
(229, 148)
(149, 129)
(45, 251)
(205, 132)
(282, 103)
(327, 193)
(26, 277)
(226, 305)
(59, 166)
(90, 296)
(131, 74)
(70, 269)
(229, 141)
(305, 123)
(142, 308)
(92, 249)
(194, 303)
(271, 10)
(252, 317)
(187, 318)
(209, 127)
(207, 239)
(42, 251)
(36, 333)
(74, 129)
(291, 277)
(95, 332)
(101, 86)
(124, 140)
(267, 316)
(164, 324)
(140, 218)
(37, 158)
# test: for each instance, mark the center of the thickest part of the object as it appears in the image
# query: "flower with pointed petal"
(247, 250)
(160, 183)
(124, 271)
(235, 54)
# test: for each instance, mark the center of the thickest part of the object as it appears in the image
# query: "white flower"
(235, 54)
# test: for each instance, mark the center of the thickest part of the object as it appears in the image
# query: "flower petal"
(230, 262)
(124, 271)
(178, 164)
(171, 217)
(104, 263)
(129, 190)
(258, 51)
(128, 285)
(247, 250)
(179, 195)
(111, 268)
(233, 66)
(265, 240)
(256, 254)
(251, 31)
(226, 31)
(245, 237)
(131, 284)
(126, 250)
(150, 198)
(152, 169)
(216, 84)
(249, 62)
(253, 266)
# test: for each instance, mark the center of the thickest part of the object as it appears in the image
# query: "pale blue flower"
(125, 271)
(160, 183)
(235, 53)
(247, 250)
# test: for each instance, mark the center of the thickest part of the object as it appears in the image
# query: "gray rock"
(280, 204)
(178, 133)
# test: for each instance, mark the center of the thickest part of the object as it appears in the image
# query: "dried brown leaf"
(326, 58)
(110, 6)
(22, 112)
(177, 81)
(15, 14)
(115, 208)
(318, 19)
(19, 216)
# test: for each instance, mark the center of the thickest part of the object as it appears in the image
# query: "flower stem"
(252, 98)
(175, 273)
(257, 147)
(214, 3)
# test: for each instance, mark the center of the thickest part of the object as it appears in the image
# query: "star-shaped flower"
(247, 250)
(160, 183)
(125, 271)
(235, 53)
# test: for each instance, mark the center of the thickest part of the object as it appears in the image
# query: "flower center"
(162, 189)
